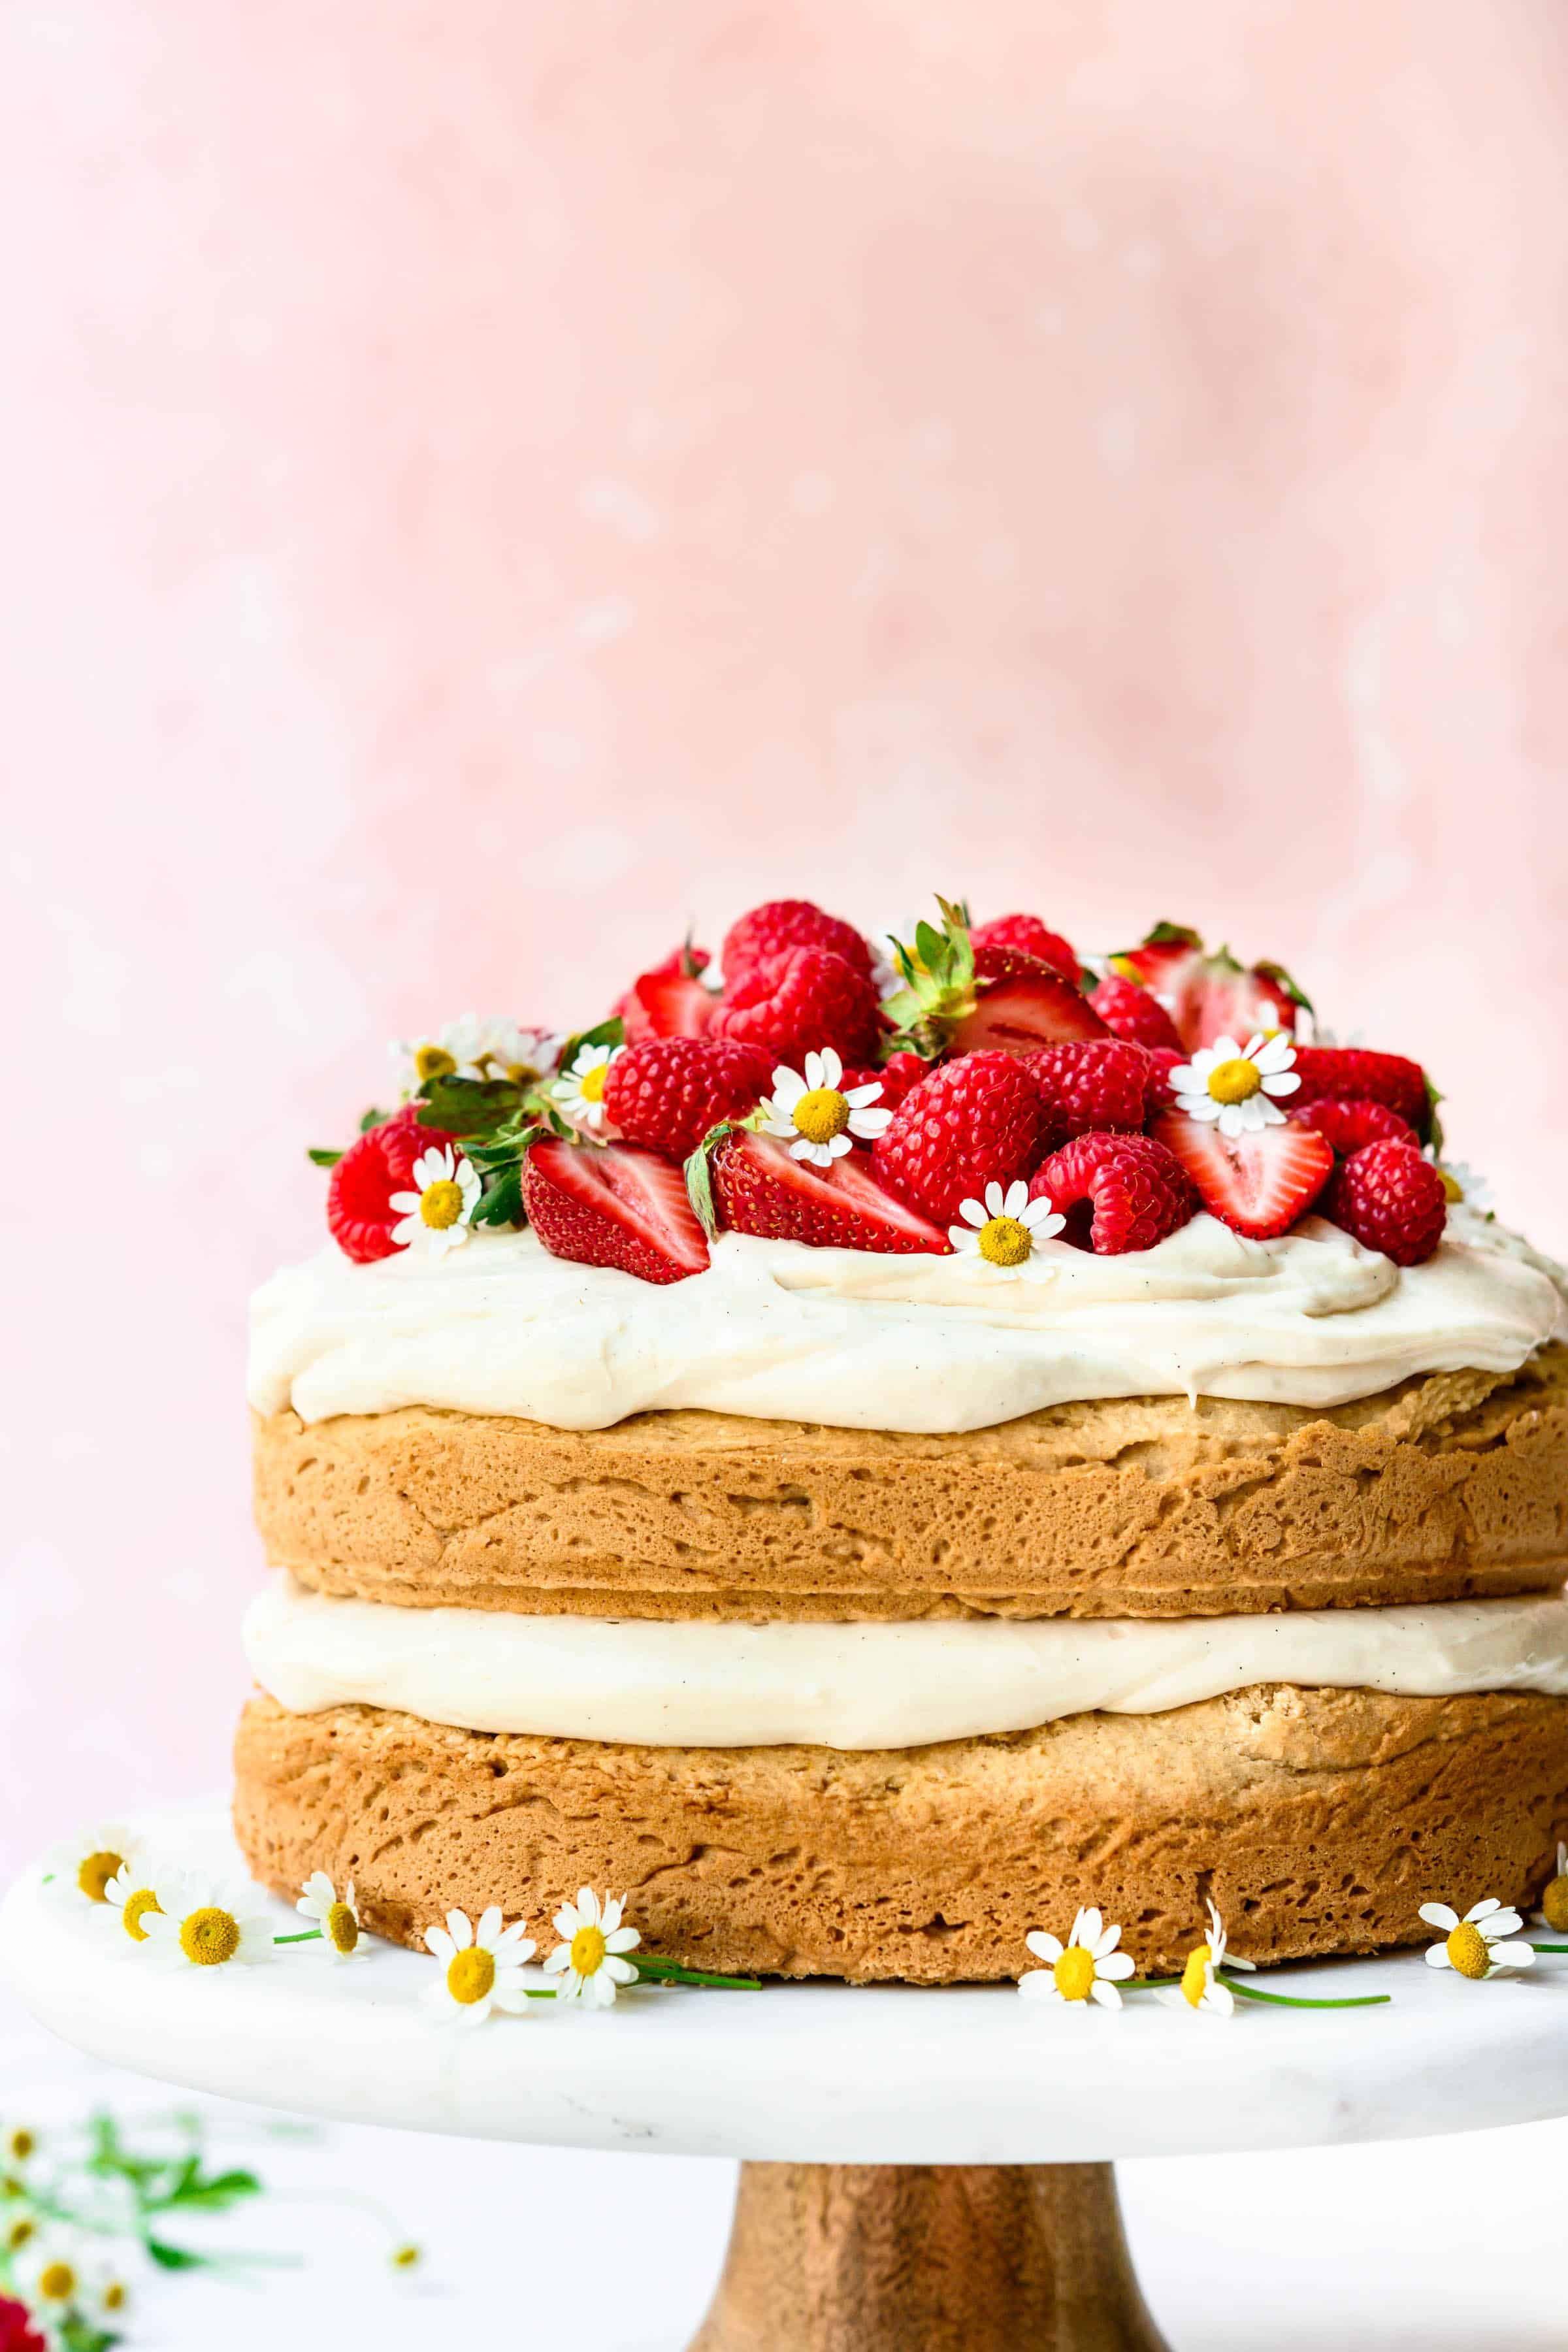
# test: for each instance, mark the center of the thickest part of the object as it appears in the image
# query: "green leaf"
(1173, 935)
(176, 2258)
(373, 1118)
(612, 1031)
(469, 1106)
(1282, 980)
(319, 1157)
(502, 1202)
(1435, 1127)
(699, 1176)
(218, 2193)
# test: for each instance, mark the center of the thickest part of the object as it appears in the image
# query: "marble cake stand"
(920, 2169)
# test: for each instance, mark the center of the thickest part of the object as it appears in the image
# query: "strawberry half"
(613, 1204)
(1257, 1184)
(1208, 996)
(1021, 1005)
(761, 1189)
(669, 1003)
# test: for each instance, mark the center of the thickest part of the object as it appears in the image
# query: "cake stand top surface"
(806, 2074)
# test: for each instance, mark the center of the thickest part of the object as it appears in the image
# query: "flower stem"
(310, 1935)
(672, 1972)
(1287, 2000)
(1548, 1947)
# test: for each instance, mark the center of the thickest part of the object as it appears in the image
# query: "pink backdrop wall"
(489, 481)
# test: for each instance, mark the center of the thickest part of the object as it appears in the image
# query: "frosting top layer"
(775, 1330)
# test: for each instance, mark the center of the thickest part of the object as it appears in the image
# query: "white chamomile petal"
(1044, 1947)
(1479, 1911)
(440, 1943)
(1105, 1994)
(1437, 1956)
(858, 1096)
(1439, 1915)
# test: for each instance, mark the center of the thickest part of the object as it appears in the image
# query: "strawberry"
(1091, 1088)
(781, 925)
(380, 1163)
(1350, 1124)
(669, 1001)
(1029, 937)
(961, 999)
(668, 1091)
(972, 1122)
(1209, 996)
(897, 1075)
(762, 1190)
(1258, 1183)
(1388, 1198)
(806, 999)
(613, 1204)
(1117, 1191)
(1131, 1011)
(1351, 1074)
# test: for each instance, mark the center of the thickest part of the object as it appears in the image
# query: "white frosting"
(878, 1685)
(777, 1331)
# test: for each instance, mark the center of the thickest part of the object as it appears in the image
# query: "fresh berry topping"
(1348, 1125)
(1351, 1074)
(668, 1091)
(1388, 1198)
(1130, 1011)
(773, 931)
(1020, 1013)
(670, 1001)
(1258, 1183)
(970, 1123)
(760, 1189)
(1026, 935)
(807, 999)
(897, 1075)
(1117, 1191)
(613, 1204)
(1097, 1086)
(1209, 996)
(358, 1194)
(1159, 1093)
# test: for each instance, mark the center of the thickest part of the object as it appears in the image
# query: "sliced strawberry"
(1257, 1184)
(613, 1204)
(1208, 996)
(1022, 1004)
(762, 1190)
(667, 1004)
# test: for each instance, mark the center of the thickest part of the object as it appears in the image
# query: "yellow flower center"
(135, 1910)
(405, 2258)
(1467, 1950)
(1074, 1973)
(10, 2186)
(17, 2235)
(1235, 1081)
(343, 1928)
(821, 1115)
(20, 2146)
(57, 2282)
(588, 1950)
(591, 1084)
(1554, 1905)
(470, 1975)
(210, 1937)
(95, 1874)
(1004, 1242)
(1195, 1975)
(433, 1062)
(441, 1203)
(1452, 1187)
(114, 2297)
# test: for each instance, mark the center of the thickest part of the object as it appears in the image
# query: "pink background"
(490, 482)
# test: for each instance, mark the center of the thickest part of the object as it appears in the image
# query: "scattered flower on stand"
(1203, 1991)
(336, 1915)
(1474, 1945)
(579, 1093)
(472, 1047)
(1004, 1229)
(590, 1961)
(88, 1861)
(438, 1214)
(1083, 1970)
(132, 1897)
(1234, 1086)
(820, 1115)
(481, 1967)
(1553, 1911)
(61, 2275)
(205, 1925)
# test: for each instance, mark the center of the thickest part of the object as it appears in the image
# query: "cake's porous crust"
(1318, 1821)
(1448, 1487)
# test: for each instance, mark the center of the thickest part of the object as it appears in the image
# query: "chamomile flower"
(1461, 1182)
(132, 1895)
(590, 1961)
(202, 1925)
(57, 2272)
(1203, 1991)
(88, 1861)
(476, 1046)
(1475, 1946)
(336, 1914)
(1086, 1968)
(818, 1113)
(1553, 1911)
(481, 1967)
(579, 1093)
(1004, 1231)
(440, 1212)
(1234, 1086)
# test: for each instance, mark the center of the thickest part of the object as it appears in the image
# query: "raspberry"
(668, 1091)
(1091, 1088)
(358, 1194)
(972, 1122)
(1118, 1193)
(898, 1073)
(1347, 1124)
(1163, 1060)
(1134, 1013)
(802, 1001)
(783, 924)
(1026, 935)
(18, 2333)
(1353, 1074)
(1388, 1198)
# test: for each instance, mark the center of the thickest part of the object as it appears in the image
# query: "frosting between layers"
(865, 1687)
(775, 1330)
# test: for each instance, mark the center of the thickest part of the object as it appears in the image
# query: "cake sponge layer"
(1449, 1487)
(1318, 1821)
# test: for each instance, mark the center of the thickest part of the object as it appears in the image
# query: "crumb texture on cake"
(1318, 1821)
(1450, 1487)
